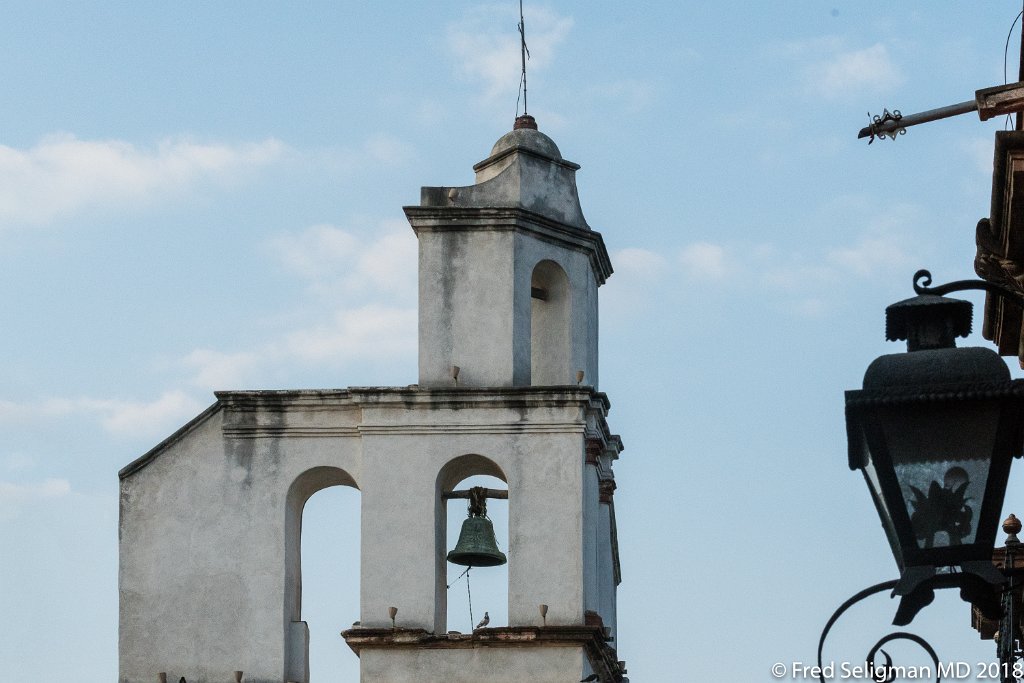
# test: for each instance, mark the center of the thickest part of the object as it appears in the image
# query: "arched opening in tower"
(550, 310)
(482, 590)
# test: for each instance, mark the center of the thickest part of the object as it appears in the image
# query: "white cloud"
(369, 332)
(62, 175)
(795, 273)
(386, 150)
(142, 418)
(337, 262)
(14, 495)
(796, 276)
(870, 69)
(704, 260)
(636, 262)
(120, 417)
(636, 269)
(485, 43)
(869, 255)
(20, 493)
(218, 370)
(12, 411)
(364, 308)
(316, 252)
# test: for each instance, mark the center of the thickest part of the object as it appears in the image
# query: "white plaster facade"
(210, 576)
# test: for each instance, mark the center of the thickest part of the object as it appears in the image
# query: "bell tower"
(508, 276)
(509, 271)
(211, 518)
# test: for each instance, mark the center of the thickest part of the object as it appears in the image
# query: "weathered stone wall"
(506, 665)
(211, 521)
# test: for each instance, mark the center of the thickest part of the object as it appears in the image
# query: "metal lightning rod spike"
(523, 51)
(988, 102)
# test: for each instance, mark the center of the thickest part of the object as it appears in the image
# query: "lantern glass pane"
(943, 499)
(941, 455)
(871, 477)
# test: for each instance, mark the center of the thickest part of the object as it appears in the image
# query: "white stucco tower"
(210, 573)
(509, 271)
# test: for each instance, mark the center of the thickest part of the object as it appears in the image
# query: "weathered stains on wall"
(210, 574)
(466, 308)
(211, 519)
(479, 248)
(494, 665)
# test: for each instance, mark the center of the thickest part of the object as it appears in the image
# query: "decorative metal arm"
(896, 635)
(988, 102)
(1009, 654)
(890, 124)
(923, 281)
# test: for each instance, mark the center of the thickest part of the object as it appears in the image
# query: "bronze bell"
(477, 546)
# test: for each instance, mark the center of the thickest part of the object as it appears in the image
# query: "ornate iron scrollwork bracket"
(1009, 652)
(885, 673)
(885, 125)
(994, 602)
(923, 281)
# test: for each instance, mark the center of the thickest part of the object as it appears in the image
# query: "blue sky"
(199, 196)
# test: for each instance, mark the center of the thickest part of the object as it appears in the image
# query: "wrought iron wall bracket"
(988, 102)
(923, 281)
(877, 647)
(972, 589)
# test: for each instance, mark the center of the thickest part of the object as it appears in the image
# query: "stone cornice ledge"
(264, 414)
(601, 655)
(498, 218)
(415, 395)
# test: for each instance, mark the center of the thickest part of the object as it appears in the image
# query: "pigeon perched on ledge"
(483, 622)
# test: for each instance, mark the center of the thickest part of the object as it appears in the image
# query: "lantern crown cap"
(928, 321)
(933, 373)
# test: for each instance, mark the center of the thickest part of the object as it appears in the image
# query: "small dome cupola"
(526, 138)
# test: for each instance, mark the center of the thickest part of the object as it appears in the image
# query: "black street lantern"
(933, 431)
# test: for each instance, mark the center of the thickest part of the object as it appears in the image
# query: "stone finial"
(1011, 527)
(525, 121)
